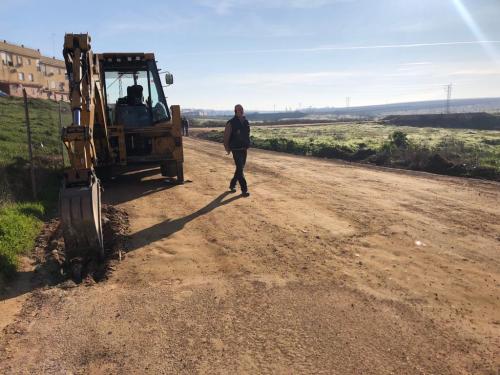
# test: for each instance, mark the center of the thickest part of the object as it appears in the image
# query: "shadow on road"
(21, 284)
(124, 188)
(24, 282)
(130, 185)
(167, 228)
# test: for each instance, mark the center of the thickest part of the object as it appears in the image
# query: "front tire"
(180, 172)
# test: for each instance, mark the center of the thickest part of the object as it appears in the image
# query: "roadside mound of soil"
(420, 158)
(50, 250)
(481, 121)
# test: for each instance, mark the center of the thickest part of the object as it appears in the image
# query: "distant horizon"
(351, 107)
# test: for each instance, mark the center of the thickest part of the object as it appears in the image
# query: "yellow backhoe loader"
(119, 116)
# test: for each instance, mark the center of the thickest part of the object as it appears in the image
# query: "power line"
(120, 87)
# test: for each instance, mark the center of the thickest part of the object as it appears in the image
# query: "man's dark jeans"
(240, 158)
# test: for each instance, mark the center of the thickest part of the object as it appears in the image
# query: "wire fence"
(45, 118)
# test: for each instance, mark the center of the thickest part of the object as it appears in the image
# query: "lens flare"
(476, 30)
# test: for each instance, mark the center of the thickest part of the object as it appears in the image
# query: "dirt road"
(327, 267)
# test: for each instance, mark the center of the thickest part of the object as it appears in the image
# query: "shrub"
(492, 142)
(417, 156)
(332, 151)
(399, 139)
(449, 154)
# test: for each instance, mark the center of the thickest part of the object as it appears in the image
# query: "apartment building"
(41, 76)
(55, 84)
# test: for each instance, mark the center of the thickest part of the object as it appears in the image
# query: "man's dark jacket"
(240, 134)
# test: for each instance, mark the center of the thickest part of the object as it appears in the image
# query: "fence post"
(30, 146)
(60, 134)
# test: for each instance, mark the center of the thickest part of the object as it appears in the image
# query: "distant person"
(185, 126)
(237, 141)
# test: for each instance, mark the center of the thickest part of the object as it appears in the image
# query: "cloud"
(392, 46)
(476, 72)
(144, 22)
(348, 48)
(414, 67)
(475, 29)
(271, 79)
(420, 63)
(226, 6)
(419, 75)
(5, 4)
(256, 27)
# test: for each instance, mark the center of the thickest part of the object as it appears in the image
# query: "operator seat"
(134, 95)
(131, 110)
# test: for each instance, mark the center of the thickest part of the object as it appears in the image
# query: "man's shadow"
(167, 228)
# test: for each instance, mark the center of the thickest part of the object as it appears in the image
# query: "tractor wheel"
(77, 271)
(180, 172)
(104, 173)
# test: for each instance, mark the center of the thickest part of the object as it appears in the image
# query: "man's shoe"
(245, 193)
(232, 189)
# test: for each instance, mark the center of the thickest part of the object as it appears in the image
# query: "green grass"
(475, 152)
(44, 119)
(20, 223)
(20, 217)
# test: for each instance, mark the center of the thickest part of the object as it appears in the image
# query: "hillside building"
(41, 76)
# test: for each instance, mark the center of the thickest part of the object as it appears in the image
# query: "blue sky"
(271, 54)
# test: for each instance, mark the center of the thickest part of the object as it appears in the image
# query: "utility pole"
(30, 146)
(60, 133)
(449, 89)
(53, 44)
(348, 102)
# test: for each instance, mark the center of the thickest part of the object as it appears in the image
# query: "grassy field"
(44, 118)
(463, 152)
(21, 217)
(20, 224)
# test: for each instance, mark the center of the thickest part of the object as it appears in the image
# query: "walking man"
(237, 141)
(185, 126)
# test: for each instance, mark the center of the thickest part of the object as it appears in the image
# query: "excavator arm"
(80, 197)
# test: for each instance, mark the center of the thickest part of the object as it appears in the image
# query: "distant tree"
(399, 139)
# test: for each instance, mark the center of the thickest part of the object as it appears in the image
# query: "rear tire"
(163, 169)
(77, 271)
(180, 172)
(169, 168)
(104, 173)
(100, 244)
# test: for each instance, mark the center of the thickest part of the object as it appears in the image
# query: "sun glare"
(476, 30)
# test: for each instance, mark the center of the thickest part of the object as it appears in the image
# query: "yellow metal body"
(85, 92)
(96, 139)
(88, 142)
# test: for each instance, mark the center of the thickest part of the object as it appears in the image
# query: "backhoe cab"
(142, 128)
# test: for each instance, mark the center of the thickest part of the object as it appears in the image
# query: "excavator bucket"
(81, 221)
